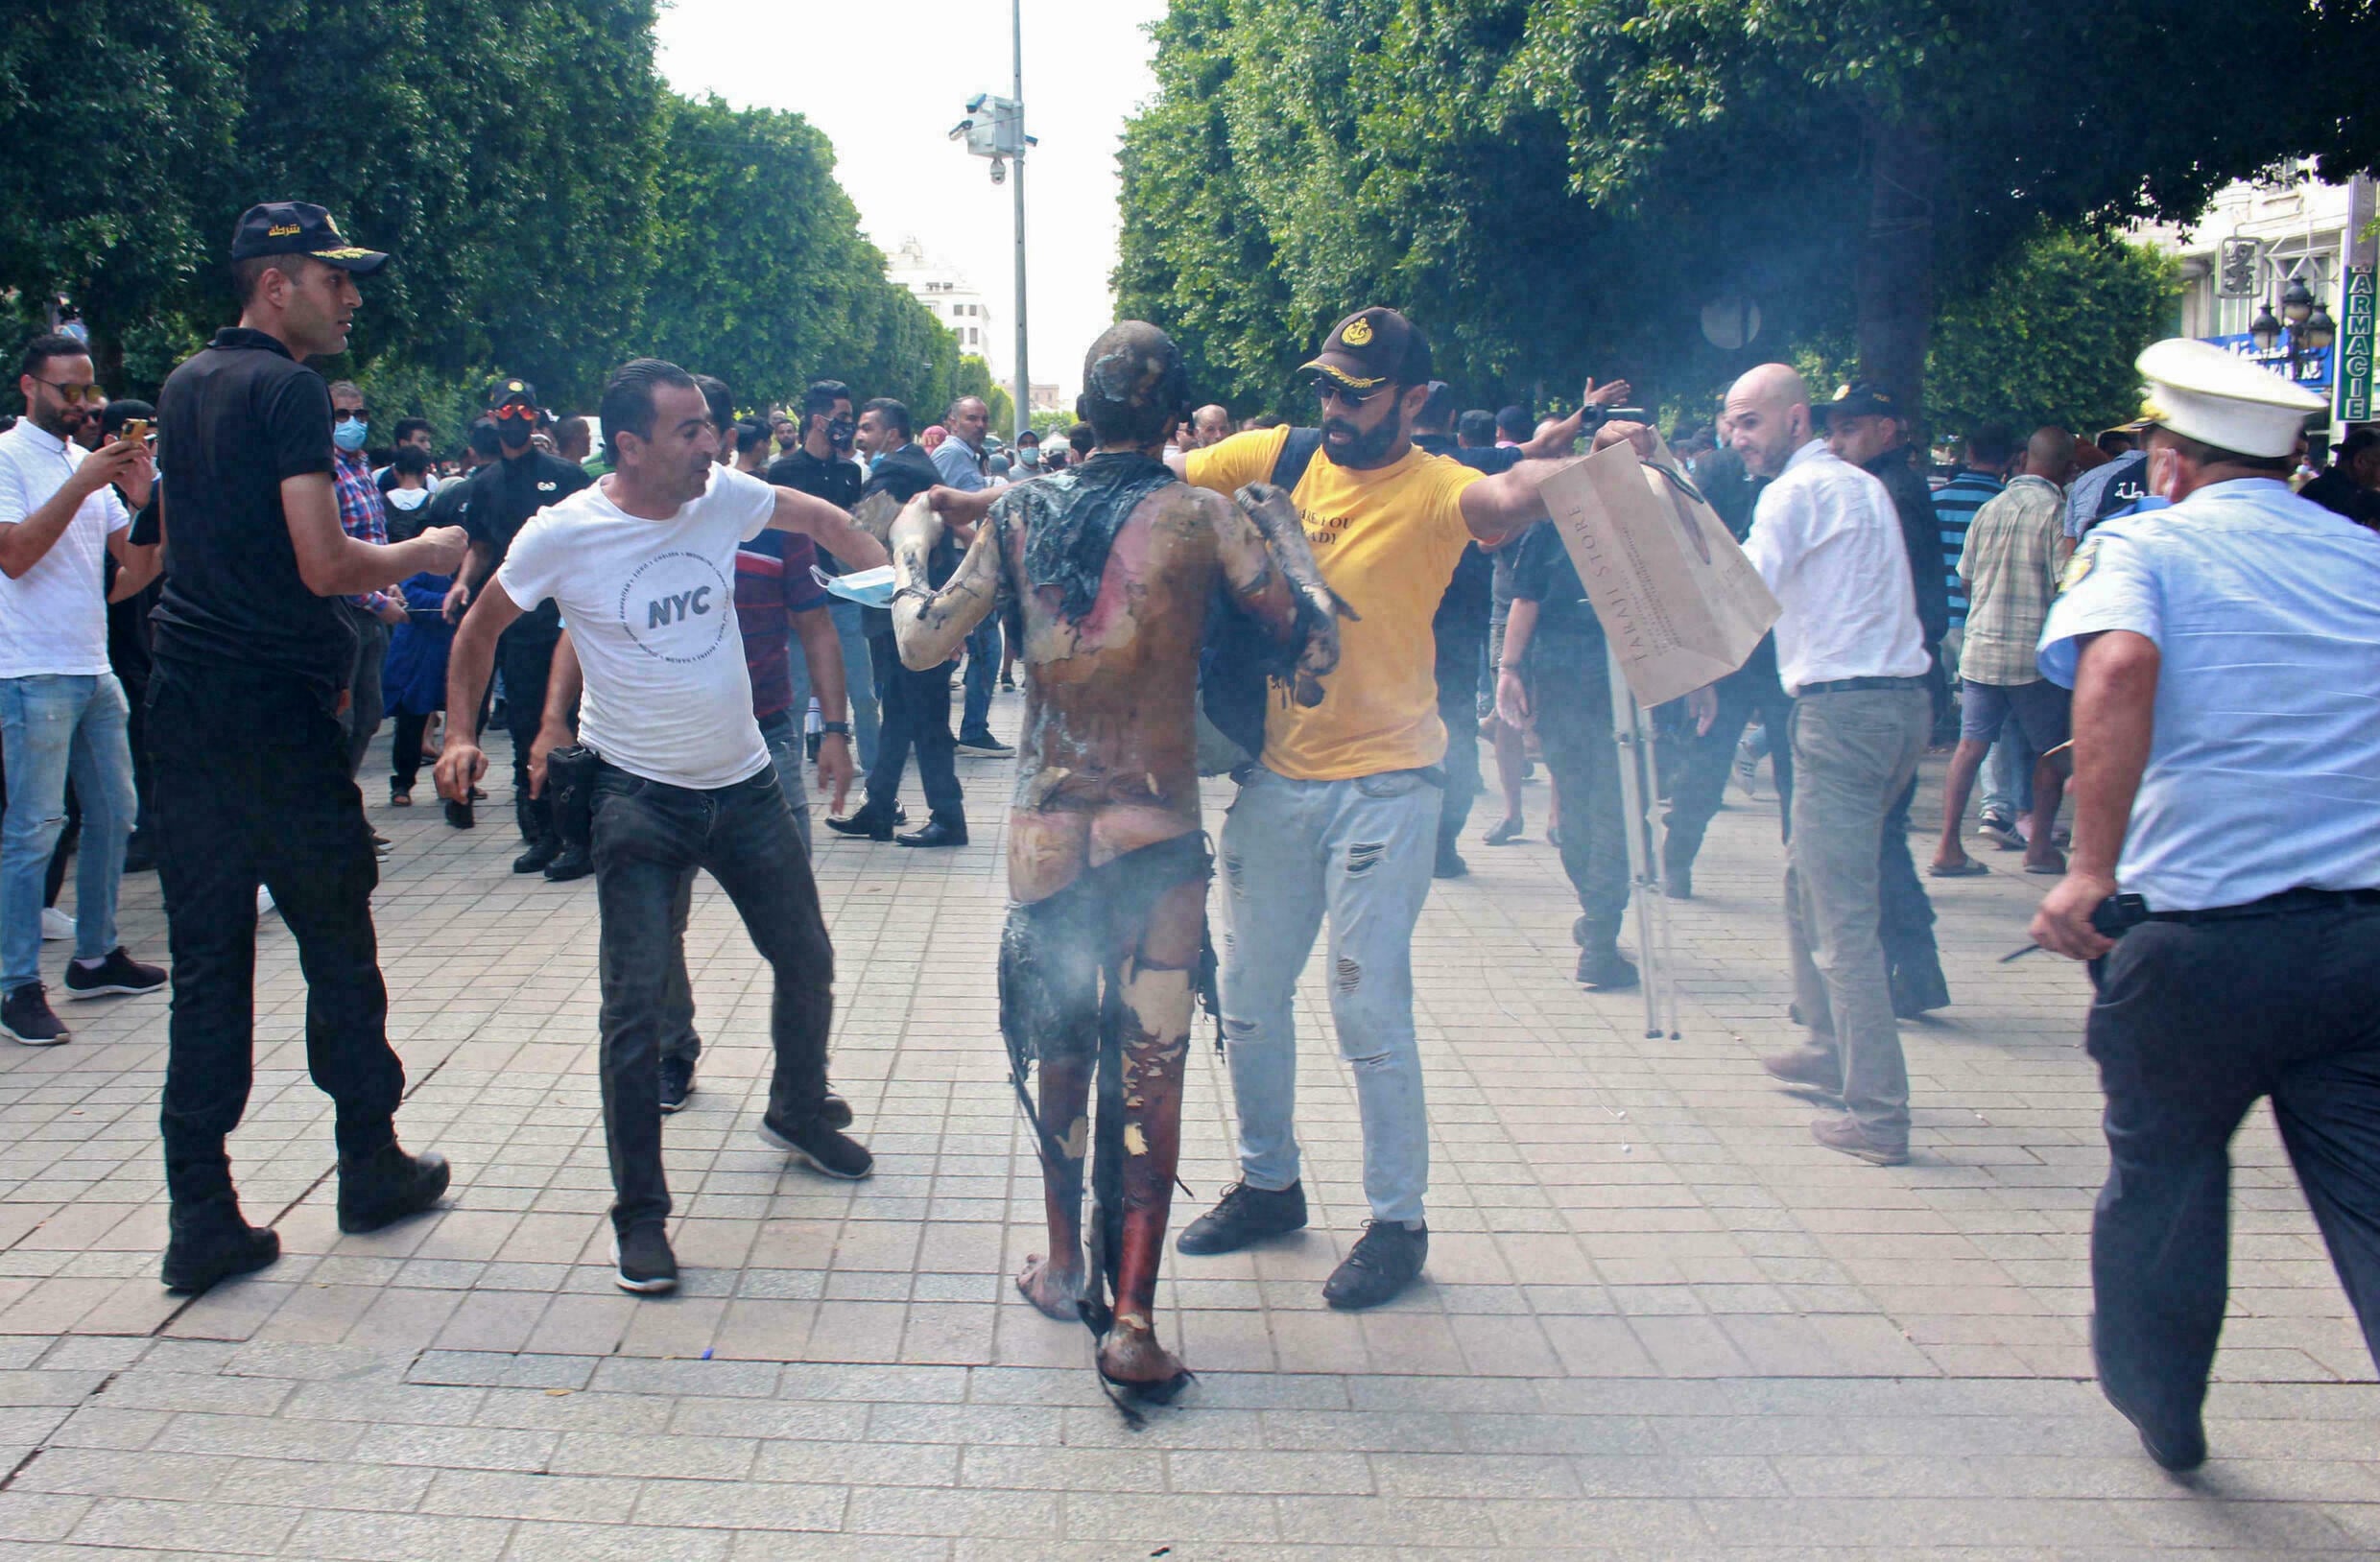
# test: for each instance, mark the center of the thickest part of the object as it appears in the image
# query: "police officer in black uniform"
(501, 498)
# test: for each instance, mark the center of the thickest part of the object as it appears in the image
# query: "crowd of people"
(208, 608)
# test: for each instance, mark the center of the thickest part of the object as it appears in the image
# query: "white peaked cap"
(2204, 392)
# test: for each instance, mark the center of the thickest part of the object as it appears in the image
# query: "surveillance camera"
(999, 172)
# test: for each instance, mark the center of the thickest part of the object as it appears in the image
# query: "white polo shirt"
(53, 617)
(1827, 541)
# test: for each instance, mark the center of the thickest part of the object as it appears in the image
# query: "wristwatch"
(843, 728)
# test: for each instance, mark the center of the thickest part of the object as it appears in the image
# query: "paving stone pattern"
(1659, 1322)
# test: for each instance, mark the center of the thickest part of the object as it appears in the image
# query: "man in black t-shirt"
(1555, 679)
(501, 498)
(820, 465)
(253, 650)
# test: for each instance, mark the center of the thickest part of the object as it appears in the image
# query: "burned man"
(1105, 573)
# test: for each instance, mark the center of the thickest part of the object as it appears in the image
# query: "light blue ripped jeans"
(57, 727)
(1360, 853)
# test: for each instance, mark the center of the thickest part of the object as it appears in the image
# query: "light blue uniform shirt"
(2264, 766)
(956, 460)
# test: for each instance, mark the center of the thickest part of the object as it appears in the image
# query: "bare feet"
(1131, 1355)
(2053, 860)
(1053, 1288)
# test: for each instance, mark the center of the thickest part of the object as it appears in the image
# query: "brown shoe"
(1811, 1067)
(1844, 1133)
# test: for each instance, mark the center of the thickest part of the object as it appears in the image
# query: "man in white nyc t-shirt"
(642, 566)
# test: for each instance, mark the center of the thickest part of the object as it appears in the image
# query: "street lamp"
(995, 129)
(2319, 330)
(2265, 331)
(2297, 302)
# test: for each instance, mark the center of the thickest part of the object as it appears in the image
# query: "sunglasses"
(351, 414)
(72, 394)
(519, 411)
(1327, 391)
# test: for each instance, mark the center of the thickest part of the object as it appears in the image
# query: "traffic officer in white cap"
(2224, 657)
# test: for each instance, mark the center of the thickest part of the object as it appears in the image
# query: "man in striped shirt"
(1988, 447)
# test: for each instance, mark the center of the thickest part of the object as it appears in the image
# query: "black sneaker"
(835, 1111)
(212, 1241)
(1450, 864)
(677, 1083)
(388, 1185)
(984, 742)
(25, 1017)
(1603, 968)
(1385, 1259)
(458, 816)
(118, 974)
(1242, 1216)
(538, 857)
(646, 1265)
(570, 863)
(820, 1148)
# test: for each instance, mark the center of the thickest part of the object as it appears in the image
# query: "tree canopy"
(553, 208)
(1557, 188)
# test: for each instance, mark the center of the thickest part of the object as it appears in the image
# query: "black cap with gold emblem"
(505, 392)
(298, 228)
(1374, 347)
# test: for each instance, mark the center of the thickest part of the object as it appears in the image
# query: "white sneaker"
(55, 924)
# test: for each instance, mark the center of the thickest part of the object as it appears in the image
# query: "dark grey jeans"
(649, 838)
(1855, 754)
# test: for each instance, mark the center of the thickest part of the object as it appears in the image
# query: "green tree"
(1559, 186)
(2051, 334)
(763, 276)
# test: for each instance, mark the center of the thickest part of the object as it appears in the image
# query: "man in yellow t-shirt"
(1340, 819)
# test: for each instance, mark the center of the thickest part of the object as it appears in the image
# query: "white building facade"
(2283, 274)
(956, 301)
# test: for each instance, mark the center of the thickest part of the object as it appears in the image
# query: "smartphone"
(135, 428)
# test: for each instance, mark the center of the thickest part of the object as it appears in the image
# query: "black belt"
(1852, 686)
(2280, 905)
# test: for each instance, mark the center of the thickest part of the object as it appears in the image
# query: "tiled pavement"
(1660, 1323)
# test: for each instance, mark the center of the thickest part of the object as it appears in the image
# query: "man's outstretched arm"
(1494, 508)
(468, 667)
(829, 526)
(930, 626)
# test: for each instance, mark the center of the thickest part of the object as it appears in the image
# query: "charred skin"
(1319, 608)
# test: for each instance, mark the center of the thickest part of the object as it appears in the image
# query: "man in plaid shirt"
(375, 613)
(2010, 563)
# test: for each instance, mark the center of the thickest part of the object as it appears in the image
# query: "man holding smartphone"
(62, 710)
(253, 651)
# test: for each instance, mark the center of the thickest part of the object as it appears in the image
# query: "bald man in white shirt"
(1852, 654)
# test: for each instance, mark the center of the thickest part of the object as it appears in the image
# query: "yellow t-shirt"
(1388, 541)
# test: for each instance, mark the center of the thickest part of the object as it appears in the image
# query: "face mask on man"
(839, 431)
(348, 435)
(1030, 455)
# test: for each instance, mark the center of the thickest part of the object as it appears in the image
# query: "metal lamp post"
(995, 129)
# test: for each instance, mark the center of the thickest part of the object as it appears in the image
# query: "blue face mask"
(348, 435)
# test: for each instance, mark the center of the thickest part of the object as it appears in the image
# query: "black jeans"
(365, 705)
(2193, 1022)
(917, 714)
(1460, 660)
(649, 838)
(257, 791)
(405, 749)
(1702, 781)
(1905, 919)
(526, 665)
(1570, 693)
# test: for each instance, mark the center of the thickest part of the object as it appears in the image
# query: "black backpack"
(1238, 659)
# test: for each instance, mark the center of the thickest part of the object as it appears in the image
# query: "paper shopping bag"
(1679, 602)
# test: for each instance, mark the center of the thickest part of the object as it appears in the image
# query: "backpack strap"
(1288, 467)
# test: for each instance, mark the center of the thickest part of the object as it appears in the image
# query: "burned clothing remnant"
(1107, 576)
(1071, 521)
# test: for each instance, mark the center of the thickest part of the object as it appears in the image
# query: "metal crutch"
(1639, 806)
